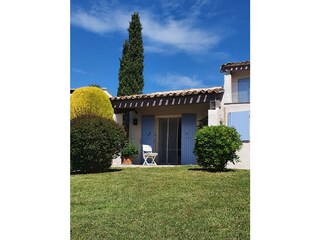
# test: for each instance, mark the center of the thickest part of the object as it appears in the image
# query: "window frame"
(245, 96)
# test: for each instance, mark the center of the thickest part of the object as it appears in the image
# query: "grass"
(161, 203)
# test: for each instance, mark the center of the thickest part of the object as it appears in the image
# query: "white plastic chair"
(147, 153)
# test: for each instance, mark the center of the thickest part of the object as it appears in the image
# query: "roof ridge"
(180, 92)
(235, 66)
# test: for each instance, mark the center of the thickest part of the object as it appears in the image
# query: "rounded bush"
(94, 142)
(215, 146)
(91, 100)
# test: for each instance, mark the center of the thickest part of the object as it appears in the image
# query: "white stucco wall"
(231, 85)
(229, 104)
(214, 117)
(240, 107)
(227, 85)
(118, 118)
(222, 114)
(244, 155)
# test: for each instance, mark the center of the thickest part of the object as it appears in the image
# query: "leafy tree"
(131, 63)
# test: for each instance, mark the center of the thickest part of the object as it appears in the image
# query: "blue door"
(147, 132)
(188, 130)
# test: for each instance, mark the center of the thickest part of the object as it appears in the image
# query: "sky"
(185, 42)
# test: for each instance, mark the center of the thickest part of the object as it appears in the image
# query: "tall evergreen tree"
(123, 76)
(131, 63)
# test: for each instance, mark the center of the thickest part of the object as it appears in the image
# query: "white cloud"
(76, 70)
(176, 82)
(155, 49)
(178, 34)
(100, 22)
(160, 35)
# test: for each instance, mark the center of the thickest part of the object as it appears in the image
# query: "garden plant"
(94, 143)
(90, 100)
(215, 146)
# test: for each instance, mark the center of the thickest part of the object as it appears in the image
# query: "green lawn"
(161, 203)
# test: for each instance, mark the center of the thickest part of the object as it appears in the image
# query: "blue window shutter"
(147, 132)
(188, 130)
(240, 121)
(244, 90)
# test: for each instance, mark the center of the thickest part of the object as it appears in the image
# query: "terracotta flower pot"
(126, 160)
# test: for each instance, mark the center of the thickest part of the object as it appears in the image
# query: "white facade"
(231, 104)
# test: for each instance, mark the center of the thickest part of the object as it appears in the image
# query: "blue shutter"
(244, 90)
(188, 130)
(240, 121)
(147, 132)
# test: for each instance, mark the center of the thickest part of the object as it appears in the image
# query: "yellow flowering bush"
(90, 101)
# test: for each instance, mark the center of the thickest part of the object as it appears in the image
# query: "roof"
(175, 93)
(235, 66)
(211, 96)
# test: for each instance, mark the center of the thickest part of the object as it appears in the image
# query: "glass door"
(169, 149)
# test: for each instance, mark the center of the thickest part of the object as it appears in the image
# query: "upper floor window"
(244, 90)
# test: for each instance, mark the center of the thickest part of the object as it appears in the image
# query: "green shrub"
(92, 100)
(94, 143)
(130, 150)
(215, 146)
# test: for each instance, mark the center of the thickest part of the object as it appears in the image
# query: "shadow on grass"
(106, 171)
(210, 170)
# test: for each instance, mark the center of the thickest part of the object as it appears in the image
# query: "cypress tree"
(131, 63)
(123, 76)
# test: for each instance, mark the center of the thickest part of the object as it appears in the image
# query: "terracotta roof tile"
(172, 93)
(235, 66)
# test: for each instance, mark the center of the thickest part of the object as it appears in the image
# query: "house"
(235, 105)
(168, 120)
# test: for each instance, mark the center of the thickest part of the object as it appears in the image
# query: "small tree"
(215, 146)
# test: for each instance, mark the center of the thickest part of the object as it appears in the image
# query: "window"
(240, 121)
(244, 90)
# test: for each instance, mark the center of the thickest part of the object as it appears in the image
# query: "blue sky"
(185, 42)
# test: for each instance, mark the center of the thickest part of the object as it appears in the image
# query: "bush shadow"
(106, 171)
(211, 170)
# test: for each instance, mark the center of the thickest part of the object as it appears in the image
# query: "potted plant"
(129, 151)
